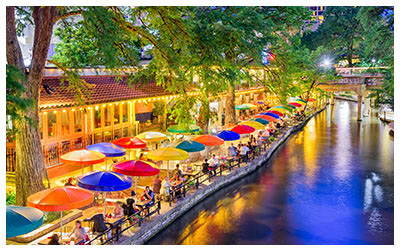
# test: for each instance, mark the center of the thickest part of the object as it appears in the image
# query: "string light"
(73, 110)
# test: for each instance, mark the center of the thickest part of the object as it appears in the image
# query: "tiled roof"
(104, 89)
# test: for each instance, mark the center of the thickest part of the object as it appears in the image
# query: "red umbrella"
(83, 157)
(136, 168)
(130, 142)
(266, 117)
(243, 129)
(295, 104)
(276, 112)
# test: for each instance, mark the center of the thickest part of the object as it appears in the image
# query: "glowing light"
(104, 105)
(96, 108)
(55, 112)
(45, 113)
(73, 110)
(64, 110)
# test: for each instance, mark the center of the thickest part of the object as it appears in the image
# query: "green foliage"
(49, 217)
(17, 104)
(340, 32)
(10, 198)
(378, 25)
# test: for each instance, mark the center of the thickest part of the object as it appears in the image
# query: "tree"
(340, 32)
(378, 25)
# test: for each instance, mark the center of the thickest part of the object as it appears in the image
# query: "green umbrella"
(242, 107)
(260, 120)
(299, 100)
(183, 129)
(289, 107)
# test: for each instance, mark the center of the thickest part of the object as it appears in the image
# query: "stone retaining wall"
(147, 231)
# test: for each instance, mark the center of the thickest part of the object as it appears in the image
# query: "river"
(331, 183)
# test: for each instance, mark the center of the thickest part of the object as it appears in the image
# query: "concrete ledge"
(35, 234)
(149, 230)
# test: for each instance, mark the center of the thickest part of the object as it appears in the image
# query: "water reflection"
(331, 183)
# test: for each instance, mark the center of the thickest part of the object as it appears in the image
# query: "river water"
(331, 183)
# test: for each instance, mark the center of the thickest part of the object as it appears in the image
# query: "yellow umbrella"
(168, 154)
(254, 124)
(151, 136)
(251, 106)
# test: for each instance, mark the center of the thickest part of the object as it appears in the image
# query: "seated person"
(69, 182)
(99, 225)
(142, 157)
(213, 164)
(118, 211)
(178, 171)
(147, 197)
(165, 188)
(54, 240)
(79, 233)
(205, 166)
(231, 150)
(189, 167)
(176, 179)
(157, 186)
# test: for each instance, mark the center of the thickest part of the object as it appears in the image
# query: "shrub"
(10, 198)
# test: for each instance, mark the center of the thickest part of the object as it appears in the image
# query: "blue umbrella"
(108, 149)
(191, 146)
(273, 115)
(106, 181)
(228, 135)
(22, 220)
(261, 120)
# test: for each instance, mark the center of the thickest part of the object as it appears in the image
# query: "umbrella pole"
(61, 224)
(168, 169)
(135, 184)
(105, 203)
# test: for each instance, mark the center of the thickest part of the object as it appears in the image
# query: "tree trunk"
(204, 116)
(30, 171)
(230, 115)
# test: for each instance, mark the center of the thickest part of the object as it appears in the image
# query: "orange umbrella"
(266, 117)
(129, 142)
(61, 199)
(83, 157)
(209, 140)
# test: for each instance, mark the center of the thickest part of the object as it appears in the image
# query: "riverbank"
(151, 228)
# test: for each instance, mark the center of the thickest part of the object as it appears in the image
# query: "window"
(116, 113)
(107, 115)
(51, 124)
(125, 112)
(97, 117)
(65, 123)
(78, 121)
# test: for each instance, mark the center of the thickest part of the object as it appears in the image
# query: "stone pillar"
(359, 107)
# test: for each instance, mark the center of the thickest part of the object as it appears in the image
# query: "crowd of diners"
(162, 186)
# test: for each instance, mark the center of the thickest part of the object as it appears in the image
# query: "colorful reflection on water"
(332, 183)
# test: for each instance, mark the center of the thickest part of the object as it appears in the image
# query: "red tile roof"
(105, 89)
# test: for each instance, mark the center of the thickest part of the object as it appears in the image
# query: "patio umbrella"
(60, 199)
(208, 140)
(285, 108)
(253, 124)
(251, 106)
(281, 110)
(311, 100)
(168, 154)
(22, 220)
(242, 107)
(276, 112)
(243, 129)
(136, 168)
(260, 102)
(130, 143)
(300, 100)
(182, 129)
(290, 106)
(152, 136)
(104, 181)
(260, 120)
(266, 117)
(296, 104)
(228, 135)
(273, 115)
(108, 149)
(83, 157)
(190, 146)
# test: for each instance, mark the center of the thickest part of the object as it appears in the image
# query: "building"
(317, 17)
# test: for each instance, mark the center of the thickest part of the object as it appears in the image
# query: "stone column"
(359, 107)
